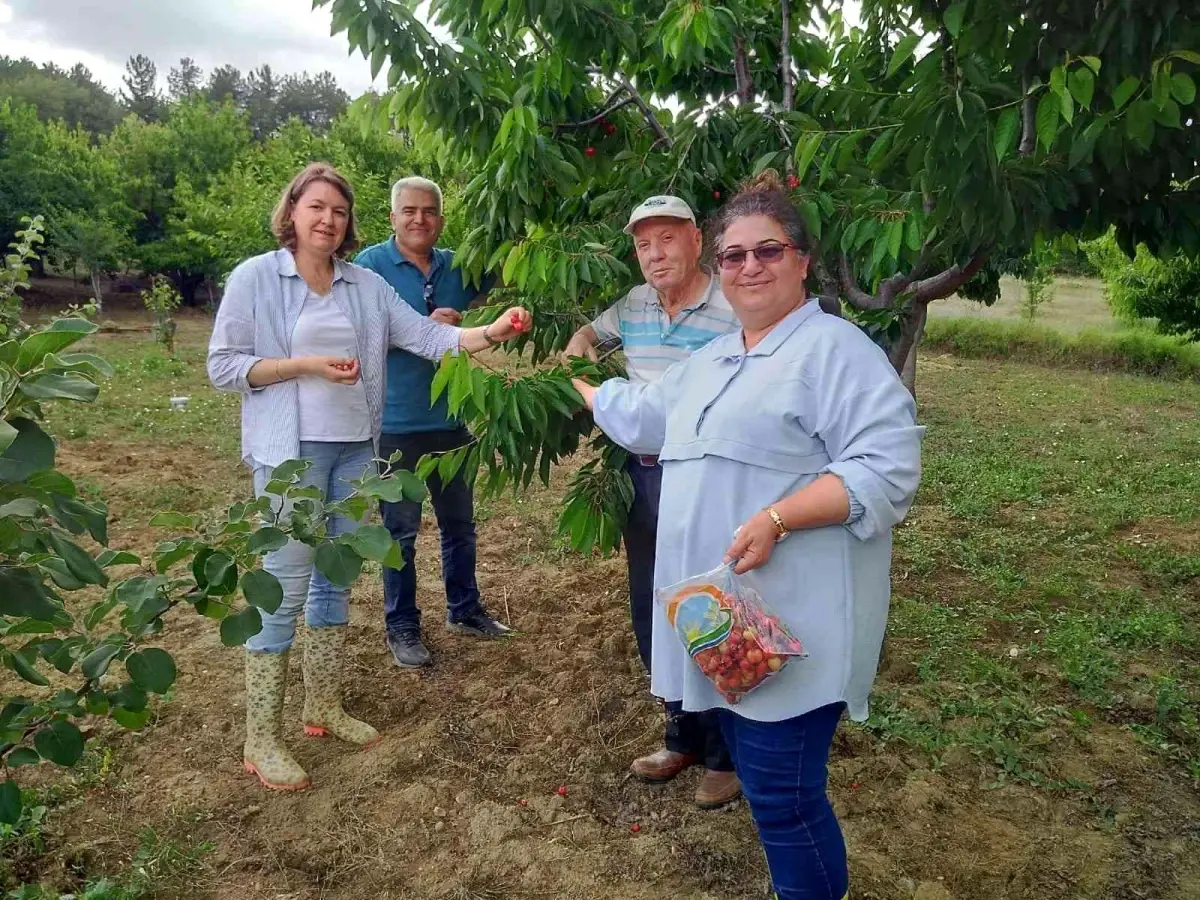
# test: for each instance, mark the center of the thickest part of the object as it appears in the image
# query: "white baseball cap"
(661, 206)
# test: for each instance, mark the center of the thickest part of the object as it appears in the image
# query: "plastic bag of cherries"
(729, 631)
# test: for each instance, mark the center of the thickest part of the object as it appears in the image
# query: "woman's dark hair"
(762, 195)
(281, 219)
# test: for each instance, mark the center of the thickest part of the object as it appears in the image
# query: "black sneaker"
(480, 624)
(407, 650)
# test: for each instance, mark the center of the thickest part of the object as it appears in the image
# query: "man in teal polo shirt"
(425, 278)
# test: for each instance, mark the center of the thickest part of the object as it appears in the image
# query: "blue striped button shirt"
(263, 299)
(651, 341)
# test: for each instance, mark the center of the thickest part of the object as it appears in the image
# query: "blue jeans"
(454, 506)
(324, 604)
(783, 768)
(696, 734)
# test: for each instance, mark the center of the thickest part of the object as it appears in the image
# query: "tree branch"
(596, 118)
(946, 283)
(1028, 121)
(651, 119)
(858, 298)
(785, 55)
(741, 68)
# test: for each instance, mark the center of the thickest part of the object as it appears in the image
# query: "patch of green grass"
(1131, 350)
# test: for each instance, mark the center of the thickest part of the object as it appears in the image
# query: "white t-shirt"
(328, 412)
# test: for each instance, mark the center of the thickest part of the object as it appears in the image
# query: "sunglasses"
(430, 306)
(766, 254)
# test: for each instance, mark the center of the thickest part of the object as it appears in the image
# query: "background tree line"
(178, 184)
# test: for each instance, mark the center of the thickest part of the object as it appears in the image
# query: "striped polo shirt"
(651, 341)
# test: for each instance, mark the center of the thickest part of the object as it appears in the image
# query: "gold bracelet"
(487, 337)
(778, 520)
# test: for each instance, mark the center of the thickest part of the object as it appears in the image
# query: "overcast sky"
(102, 34)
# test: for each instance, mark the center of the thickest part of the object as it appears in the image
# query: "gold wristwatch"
(778, 520)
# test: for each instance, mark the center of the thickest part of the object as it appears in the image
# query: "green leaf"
(117, 558)
(241, 626)
(1083, 86)
(262, 589)
(811, 214)
(78, 560)
(895, 237)
(806, 151)
(8, 434)
(62, 333)
(60, 742)
(22, 595)
(130, 719)
(172, 520)
(266, 540)
(32, 450)
(953, 18)
(1168, 115)
(1191, 56)
(60, 573)
(1183, 88)
(60, 387)
(1092, 62)
(96, 663)
(337, 562)
(1139, 122)
(10, 802)
(22, 756)
(220, 574)
(290, 471)
(152, 670)
(1006, 130)
(904, 51)
(1125, 91)
(17, 661)
(168, 553)
(1047, 119)
(370, 541)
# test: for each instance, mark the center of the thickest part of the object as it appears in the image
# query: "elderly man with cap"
(677, 311)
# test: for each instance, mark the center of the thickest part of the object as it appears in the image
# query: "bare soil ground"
(935, 801)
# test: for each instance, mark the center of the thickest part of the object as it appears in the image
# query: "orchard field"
(1034, 730)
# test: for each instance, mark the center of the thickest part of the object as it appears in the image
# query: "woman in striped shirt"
(303, 336)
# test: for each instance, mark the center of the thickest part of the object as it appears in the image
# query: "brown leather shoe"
(662, 765)
(717, 789)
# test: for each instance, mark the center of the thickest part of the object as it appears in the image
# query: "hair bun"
(765, 182)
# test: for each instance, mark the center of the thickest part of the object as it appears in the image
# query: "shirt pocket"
(753, 420)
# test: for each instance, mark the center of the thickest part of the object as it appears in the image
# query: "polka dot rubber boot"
(265, 754)
(323, 713)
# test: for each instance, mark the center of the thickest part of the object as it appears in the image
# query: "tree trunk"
(97, 294)
(908, 374)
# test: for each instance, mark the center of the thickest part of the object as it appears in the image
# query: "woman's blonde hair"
(282, 225)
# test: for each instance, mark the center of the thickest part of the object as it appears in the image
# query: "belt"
(647, 460)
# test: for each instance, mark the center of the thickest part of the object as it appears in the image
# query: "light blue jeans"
(324, 604)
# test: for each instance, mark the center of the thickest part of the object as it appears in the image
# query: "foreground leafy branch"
(71, 619)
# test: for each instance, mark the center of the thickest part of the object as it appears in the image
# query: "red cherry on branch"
(716, 195)
(793, 182)
(589, 151)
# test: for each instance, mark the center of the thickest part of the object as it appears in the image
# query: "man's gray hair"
(416, 183)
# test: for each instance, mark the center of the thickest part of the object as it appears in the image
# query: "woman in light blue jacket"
(303, 336)
(794, 427)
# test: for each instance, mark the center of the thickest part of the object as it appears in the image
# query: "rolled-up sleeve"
(411, 331)
(633, 415)
(867, 420)
(231, 353)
